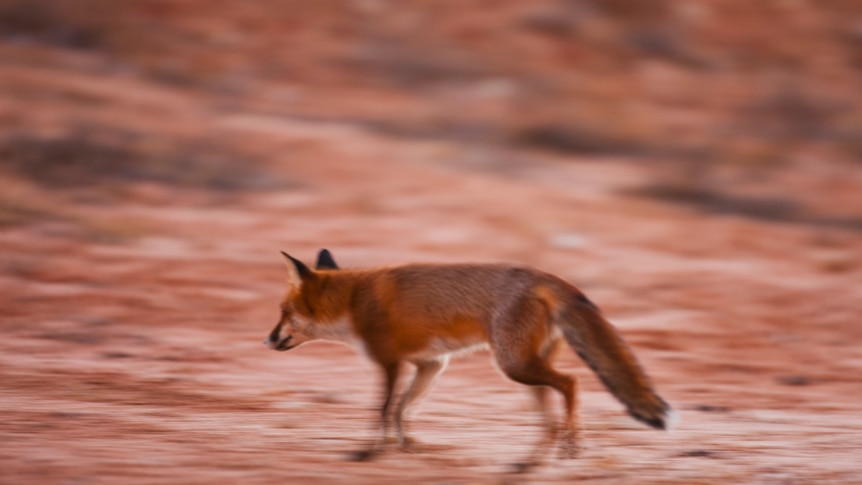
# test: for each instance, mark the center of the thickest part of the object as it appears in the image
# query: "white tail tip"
(671, 420)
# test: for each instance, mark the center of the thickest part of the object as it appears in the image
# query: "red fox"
(424, 313)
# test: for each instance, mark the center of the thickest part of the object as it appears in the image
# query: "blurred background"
(694, 166)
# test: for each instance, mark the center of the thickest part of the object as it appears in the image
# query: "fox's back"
(427, 308)
(446, 291)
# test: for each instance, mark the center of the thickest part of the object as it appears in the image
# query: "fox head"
(300, 320)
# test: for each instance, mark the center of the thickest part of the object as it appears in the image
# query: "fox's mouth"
(284, 344)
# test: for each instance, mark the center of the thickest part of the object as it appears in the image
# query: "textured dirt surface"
(134, 303)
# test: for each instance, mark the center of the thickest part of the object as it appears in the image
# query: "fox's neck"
(332, 308)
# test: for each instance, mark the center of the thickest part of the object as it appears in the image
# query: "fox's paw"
(363, 455)
(569, 451)
(407, 444)
(569, 446)
(524, 466)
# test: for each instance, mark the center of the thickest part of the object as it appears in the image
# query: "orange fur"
(422, 314)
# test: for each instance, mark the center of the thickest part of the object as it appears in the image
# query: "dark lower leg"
(569, 444)
(391, 378)
(540, 398)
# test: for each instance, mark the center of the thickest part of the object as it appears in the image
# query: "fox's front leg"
(426, 372)
(391, 372)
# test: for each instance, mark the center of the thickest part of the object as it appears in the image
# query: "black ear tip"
(325, 260)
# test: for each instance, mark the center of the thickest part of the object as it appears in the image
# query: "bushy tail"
(599, 345)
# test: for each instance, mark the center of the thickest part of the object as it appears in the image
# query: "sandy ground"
(133, 314)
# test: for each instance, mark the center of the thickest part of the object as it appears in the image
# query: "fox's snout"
(276, 341)
(283, 344)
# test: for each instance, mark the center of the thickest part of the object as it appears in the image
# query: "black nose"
(273, 336)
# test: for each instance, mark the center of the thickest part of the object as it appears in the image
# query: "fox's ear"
(325, 260)
(296, 269)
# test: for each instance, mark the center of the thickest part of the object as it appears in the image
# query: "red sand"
(133, 314)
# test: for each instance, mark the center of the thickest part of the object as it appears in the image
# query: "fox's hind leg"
(540, 375)
(524, 344)
(540, 396)
(426, 373)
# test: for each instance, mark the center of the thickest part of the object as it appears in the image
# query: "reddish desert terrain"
(699, 179)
